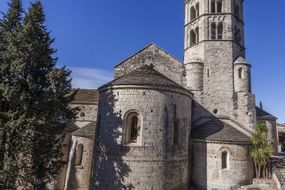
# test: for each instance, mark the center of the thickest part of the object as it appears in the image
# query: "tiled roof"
(263, 114)
(145, 76)
(86, 96)
(87, 131)
(217, 130)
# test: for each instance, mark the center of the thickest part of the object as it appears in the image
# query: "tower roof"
(145, 76)
(241, 60)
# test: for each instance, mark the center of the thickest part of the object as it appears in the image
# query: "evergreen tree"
(9, 23)
(39, 95)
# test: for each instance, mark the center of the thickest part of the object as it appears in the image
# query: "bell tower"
(214, 40)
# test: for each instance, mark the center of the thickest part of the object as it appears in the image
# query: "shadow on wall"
(109, 168)
(199, 150)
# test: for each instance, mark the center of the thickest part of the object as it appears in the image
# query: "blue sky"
(94, 35)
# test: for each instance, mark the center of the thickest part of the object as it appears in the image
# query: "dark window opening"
(134, 129)
(192, 13)
(213, 31)
(79, 155)
(219, 6)
(224, 160)
(197, 10)
(213, 6)
(220, 31)
(197, 34)
(192, 38)
(240, 73)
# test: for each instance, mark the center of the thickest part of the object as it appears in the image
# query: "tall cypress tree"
(40, 94)
(10, 23)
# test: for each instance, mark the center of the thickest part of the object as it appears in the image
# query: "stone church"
(165, 125)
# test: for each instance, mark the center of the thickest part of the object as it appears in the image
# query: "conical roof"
(145, 76)
(241, 60)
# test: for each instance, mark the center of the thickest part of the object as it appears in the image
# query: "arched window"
(197, 34)
(224, 160)
(79, 155)
(132, 128)
(240, 73)
(192, 13)
(213, 6)
(220, 30)
(219, 5)
(213, 31)
(197, 10)
(192, 38)
(216, 6)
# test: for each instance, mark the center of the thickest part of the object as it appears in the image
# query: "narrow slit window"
(176, 132)
(224, 160)
(134, 129)
(220, 31)
(240, 73)
(79, 155)
(213, 6)
(213, 31)
(219, 6)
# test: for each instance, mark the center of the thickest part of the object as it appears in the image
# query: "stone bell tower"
(214, 41)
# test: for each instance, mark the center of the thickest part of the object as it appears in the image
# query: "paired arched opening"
(132, 127)
(194, 11)
(217, 31)
(216, 6)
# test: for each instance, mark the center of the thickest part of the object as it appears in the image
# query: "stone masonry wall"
(207, 169)
(163, 63)
(154, 162)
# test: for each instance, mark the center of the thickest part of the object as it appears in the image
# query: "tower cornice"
(214, 14)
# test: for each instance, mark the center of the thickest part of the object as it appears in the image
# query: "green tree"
(262, 149)
(10, 22)
(38, 95)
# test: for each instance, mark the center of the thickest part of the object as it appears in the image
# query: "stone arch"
(132, 127)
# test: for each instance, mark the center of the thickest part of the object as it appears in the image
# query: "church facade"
(165, 125)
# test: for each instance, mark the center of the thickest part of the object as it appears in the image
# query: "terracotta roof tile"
(145, 76)
(86, 96)
(217, 130)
